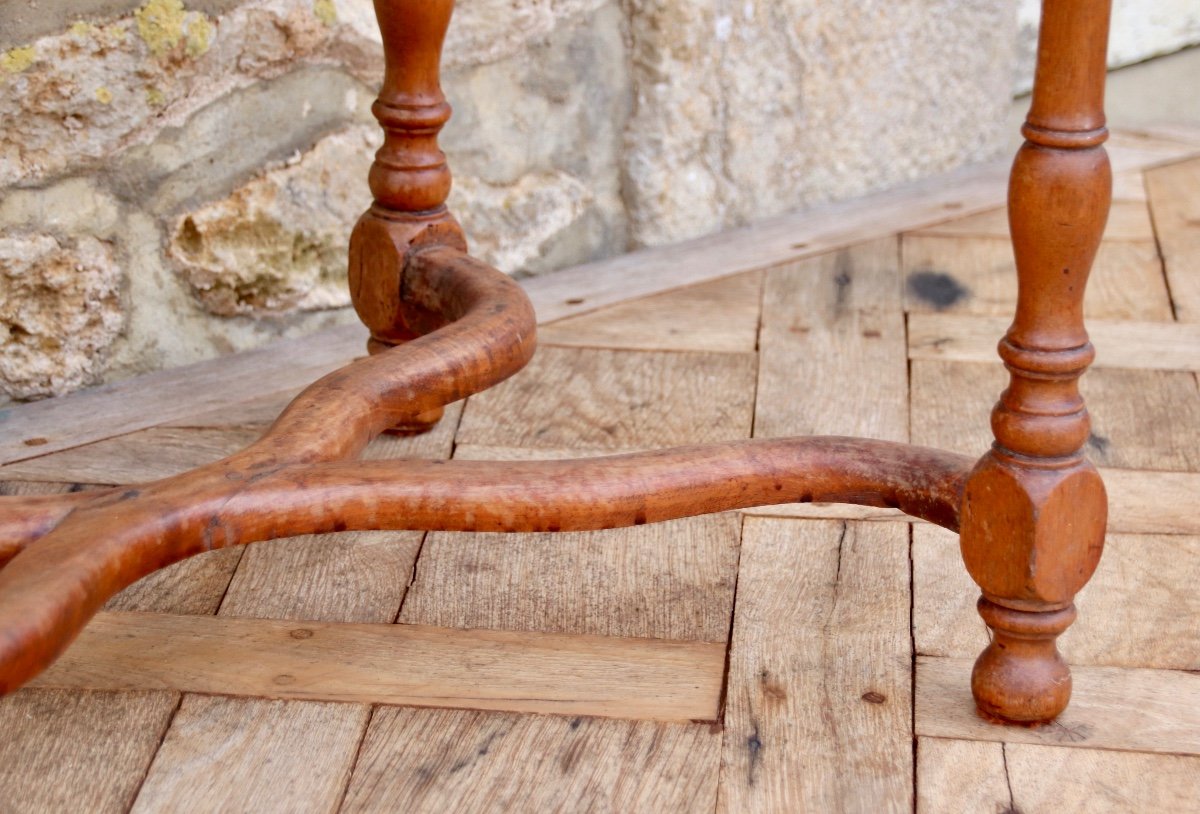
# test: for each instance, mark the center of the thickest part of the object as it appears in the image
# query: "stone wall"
(179, 181)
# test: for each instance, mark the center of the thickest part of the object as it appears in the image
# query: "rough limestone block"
(749, 110)
(278, 243)
(76, 98)
(60, 310)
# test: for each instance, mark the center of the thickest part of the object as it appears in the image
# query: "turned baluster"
(1035, 510)
(409, 178)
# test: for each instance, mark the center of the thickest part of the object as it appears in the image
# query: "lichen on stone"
(199, 36)
(84, 30)
(160, 25)
(104, 96)
(155, 97)
(16, 60)
(326, 11)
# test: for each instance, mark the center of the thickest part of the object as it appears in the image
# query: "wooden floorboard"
(415, 665)
(463, 760)
(231, 754)
(1141, 419)
(819, 693)
(832, 355)
(977, 275)
(954, 776)
(1176, 210)
(1136, 710)
(721, 316)
(673, 580)
(1154, 574)
(1121, 344)
(78, 751)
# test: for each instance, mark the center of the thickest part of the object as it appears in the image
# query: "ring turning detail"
(1031, 512)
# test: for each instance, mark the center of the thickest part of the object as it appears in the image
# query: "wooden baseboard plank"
(412, 665)
(1121, 344)
(1111, 708)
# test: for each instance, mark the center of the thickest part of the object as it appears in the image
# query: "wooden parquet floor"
(795, 658)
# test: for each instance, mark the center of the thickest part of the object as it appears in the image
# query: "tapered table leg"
(409, 178)
(1035, 510)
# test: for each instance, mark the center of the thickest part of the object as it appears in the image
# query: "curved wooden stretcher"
(1031, 512)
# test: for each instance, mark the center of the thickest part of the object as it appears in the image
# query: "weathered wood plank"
(356, 577)
(226, 754)
(1152, 502)
(954, 777)
(451, 760)
(818, 702)
(1111, 708)
(575, 398)
(194, 586)
(1128, 219)
(78, 751)
(1176, 208)
(977, 275)
(159, 452)
(168, 395)
(414, 665)
(721, 316)
(832, 336)
(1141, 419)
(1088, 781)
(667, 580)
(1155, 574)
(1123, 344)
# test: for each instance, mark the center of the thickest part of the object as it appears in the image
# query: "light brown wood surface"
(818, 699)
(463, 760)
(957, 776)
(832, 357)
(78, 751)
(721, 316)
(1136, 710)
(1176, 210)
(1141, 419)
(675, 579)
(1123, 344)
(1153, 573)
(212, 757)
(977, 275)
(396, 664)
(614, 400)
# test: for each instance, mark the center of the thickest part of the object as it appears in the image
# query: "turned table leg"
(409, 178)
(1035, 510)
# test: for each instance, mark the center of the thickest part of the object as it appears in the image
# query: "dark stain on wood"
(937, 288)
